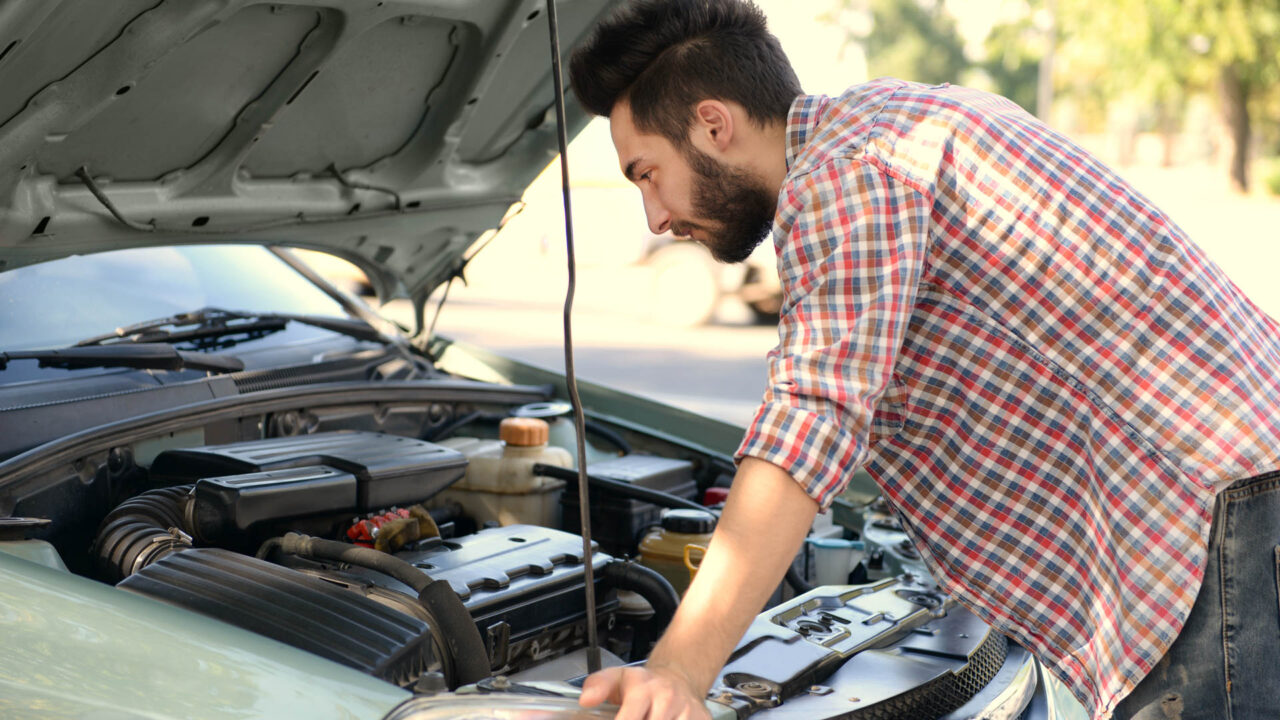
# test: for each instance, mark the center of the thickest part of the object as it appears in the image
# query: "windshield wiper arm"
(216, 322)
(150, 356)
(351, 327)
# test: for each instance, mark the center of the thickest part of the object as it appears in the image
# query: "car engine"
(192, 542)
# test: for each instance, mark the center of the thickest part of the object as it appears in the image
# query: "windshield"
(57, 303)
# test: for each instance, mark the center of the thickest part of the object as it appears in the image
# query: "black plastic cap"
(690, 522)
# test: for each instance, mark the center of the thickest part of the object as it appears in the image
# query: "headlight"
(495, 707)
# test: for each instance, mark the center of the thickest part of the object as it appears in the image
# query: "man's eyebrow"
(630, 170)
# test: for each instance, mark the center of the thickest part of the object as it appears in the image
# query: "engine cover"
(388, 469)
(890, 650)
(523, 584)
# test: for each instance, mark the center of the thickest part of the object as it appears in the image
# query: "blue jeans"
(1225, 664)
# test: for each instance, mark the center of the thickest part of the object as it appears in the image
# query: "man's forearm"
(765, 519)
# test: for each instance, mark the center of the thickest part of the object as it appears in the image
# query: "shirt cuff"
(815, 449)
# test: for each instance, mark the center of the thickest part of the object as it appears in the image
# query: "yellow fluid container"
(499, 485)
(664, 547)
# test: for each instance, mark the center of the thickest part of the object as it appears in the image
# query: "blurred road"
(513, 302)
(717, 369)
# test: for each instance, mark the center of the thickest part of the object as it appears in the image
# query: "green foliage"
(1014, 52)
(1161, 51)
(911, 39)
(1273, 177)
(1152, 54)
(1152, 49)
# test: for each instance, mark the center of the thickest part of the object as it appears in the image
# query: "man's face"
(692, 194)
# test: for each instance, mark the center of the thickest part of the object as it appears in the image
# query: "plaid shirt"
(1044, 375)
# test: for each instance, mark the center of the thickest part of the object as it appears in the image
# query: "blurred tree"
(1162, 50)
(909, 39)
(1014, 51)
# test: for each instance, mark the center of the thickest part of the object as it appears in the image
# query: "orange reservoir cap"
(524, 432)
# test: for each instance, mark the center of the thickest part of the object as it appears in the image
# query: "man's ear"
(714, 123)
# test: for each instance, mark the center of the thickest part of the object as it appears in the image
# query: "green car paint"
(37, 551)
(76, 648)
(680, 427)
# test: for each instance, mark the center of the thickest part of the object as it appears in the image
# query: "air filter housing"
(388, 469)
(293, 608)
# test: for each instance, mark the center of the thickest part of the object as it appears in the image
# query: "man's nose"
(657, 216)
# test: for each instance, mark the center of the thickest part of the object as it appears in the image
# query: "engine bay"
(221, 531)
(448, 558)
(199, 525)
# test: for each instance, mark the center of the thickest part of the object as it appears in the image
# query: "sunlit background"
(1182, 97)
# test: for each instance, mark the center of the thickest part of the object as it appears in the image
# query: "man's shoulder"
(884, 104)
(843, 125)
(900, 123)
(826, 127)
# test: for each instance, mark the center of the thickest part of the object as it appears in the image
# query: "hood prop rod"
(579, 424)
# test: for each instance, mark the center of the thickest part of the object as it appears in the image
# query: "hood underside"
(390, 133)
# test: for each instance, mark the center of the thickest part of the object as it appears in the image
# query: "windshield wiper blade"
(351, 327)
(150, 356)
(216, 322)
(207, 322)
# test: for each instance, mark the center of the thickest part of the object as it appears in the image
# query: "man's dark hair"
(664, 56)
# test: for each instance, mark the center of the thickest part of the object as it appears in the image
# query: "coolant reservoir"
(499, 485)
(664, 547)
(559, 417)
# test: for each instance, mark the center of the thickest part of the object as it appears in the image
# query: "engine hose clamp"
(173, 539)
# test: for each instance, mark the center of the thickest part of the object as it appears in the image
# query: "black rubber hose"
(619, 488)
(592, 427)
(321, 549)
(654, 588)
(649, 584)
(595, 428)
(141, 530)
(797, 581)
(451, 427)
(462, 635)
(469, 658)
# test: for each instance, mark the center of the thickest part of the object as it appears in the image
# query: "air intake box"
(233, 504)
(293, 608)
(387, 469)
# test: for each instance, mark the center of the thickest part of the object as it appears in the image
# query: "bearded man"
(1071, 407)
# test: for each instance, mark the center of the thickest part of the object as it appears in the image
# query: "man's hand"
(763, 524)
(645, 692)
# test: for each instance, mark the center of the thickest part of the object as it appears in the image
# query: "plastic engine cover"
(892, 649)
(388, 469)
(523, 584)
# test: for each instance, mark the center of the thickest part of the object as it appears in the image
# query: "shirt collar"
(803, 117)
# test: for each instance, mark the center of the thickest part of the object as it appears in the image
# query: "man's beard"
(737, 204)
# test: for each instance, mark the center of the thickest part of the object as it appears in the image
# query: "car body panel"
(391, 134)
(697, 432)
(77, 648)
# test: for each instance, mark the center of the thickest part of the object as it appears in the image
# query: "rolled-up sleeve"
(852, 243)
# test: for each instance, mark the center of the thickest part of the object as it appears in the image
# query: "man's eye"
(645, 175)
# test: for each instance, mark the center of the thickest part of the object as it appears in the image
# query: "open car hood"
(390, 133)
